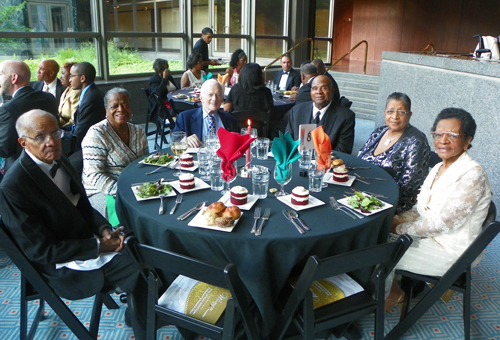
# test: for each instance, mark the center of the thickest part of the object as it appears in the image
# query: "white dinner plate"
(138, 198)
(198, 185)
(313, 202)
(328, 179)
(386, 206)
(193, 168)
(251, 199)
(199, 222)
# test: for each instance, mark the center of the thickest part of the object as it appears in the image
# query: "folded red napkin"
(232, 146)
(322, 146)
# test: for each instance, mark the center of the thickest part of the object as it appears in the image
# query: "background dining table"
(264, 262)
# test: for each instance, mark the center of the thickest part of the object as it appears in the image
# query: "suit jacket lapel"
(329, 119)
(196, 122)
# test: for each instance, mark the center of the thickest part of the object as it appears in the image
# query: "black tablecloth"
(264, 262)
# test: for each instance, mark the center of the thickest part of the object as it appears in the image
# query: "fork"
(256, 215)
(350, 210)
(335, 205)
(177, 201)
(376, 178)
(155, 170)
(160, 211)
(265, 217)
(357, 167)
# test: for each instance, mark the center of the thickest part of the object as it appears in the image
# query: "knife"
(288, 217)
(192, 210)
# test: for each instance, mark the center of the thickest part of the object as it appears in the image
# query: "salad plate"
(373, 204)
(157, 159)
(149, 191)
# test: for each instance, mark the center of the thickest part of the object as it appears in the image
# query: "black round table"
(264, 262)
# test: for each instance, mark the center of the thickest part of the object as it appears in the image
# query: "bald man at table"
(199, 122)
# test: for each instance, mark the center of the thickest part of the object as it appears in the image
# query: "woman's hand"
(111, 240)
(166, 73)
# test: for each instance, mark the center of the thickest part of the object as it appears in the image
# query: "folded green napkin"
(206, 77)
(285, 151)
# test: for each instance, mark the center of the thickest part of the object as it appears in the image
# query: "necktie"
(316, 118)
(45, 88)
(211, 123)
(53, 170)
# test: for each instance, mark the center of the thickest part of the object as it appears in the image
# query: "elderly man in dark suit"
(47, 79)
(44, 206)
(320, 66)
(288, 78)
(90, 109)
(307, 73)
(337, 121)
(15, 81)
(197, 123)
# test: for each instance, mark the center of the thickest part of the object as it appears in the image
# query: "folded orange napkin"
(322, 146)
(223, 79)
(232, 146)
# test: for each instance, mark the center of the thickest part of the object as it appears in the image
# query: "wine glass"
(324, 169)
(230, 180)
(178, 146)
(284, 180)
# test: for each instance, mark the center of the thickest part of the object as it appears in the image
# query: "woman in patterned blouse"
(399, 148)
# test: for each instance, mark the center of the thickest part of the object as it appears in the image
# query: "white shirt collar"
(322, 111)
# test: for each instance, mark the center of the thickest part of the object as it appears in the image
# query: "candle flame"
(249, 122)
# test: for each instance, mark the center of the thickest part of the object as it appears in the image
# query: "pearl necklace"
(389, 140)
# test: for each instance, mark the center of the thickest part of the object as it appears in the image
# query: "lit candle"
(249, 132)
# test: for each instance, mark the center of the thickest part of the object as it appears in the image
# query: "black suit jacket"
(26, 99)
(336, 95)
(90, 111)
(38, 86)
(338, 123)
(293, 79)
(49, 228)
(158, 85)
(304, 94)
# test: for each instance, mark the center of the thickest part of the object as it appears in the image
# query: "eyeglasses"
(74, 75)
(40, 139)
(452, 136)
(398, 112)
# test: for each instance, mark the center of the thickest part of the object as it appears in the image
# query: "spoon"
(295, 216)
(160, 211)
(288, 217)
(189, 212)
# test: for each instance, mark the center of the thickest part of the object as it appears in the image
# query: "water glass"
(315, 180)
(262, 147)
(253, 134)
(216, 181)
(260, 181)
(204, 163)
(211, 141)
(305, 159)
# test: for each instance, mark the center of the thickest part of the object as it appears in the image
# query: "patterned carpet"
(442, 321)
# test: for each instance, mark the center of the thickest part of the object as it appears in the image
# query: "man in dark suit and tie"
(197, 123)
(90, 109)
(320, 66)
(287, 79)
(44, 206)
(47, 79)
(307, 73)
(337, 121)
(15, 81)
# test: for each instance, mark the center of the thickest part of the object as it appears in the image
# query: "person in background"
(201, 47)
(401, 149)
(109, 146)
(69, 98)
(238, 60)
(161, 83)
(90, 109)
(288, 78)
(15, 81)
(47, 79)
(199, 122)
(194, 74)
(337, 121)
(307, 73)
(451, 206)
(320, 66)
(44, 207)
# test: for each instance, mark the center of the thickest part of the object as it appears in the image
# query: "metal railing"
(352, 49)
(429, 47)
(287, 52)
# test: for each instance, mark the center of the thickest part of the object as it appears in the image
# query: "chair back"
(492, 214)
(382, 257)
(76, 161)
(238, 310)
(259, 119)
(178, 107)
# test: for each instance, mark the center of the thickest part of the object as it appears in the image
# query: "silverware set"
(191, 211)
(264, 218)
(351, 213)
(288, 217)
(256, 216)
(375, 178)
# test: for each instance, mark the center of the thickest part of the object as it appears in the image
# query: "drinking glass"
(324, 170)
(262, 147)
(253, 134)
(178, 146)
(203, 163)
(212, 143)
(216, 182)
(260, 181)
(305, 159)
(284, 181)
(230, 180)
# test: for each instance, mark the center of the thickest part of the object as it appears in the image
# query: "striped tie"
(316, 118)
(211, 123)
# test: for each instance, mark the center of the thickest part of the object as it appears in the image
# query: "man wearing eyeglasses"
(90, 109)
(15, 81)
(44, 206)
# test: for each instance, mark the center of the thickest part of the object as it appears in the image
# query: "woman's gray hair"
(401, 97)
(113, 91)
(25, 121)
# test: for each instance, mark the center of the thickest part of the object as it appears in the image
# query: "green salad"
(153, 189)
(365, 204)
(158, 159)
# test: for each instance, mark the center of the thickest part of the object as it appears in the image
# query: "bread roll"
(232, 212)
(216, 207)
(224, 222)
(337, 162)
(210, 217)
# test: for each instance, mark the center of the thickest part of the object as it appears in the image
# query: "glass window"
(323, 24)
(270, 17)
(201, 19)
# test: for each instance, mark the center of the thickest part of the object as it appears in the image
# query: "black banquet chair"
(34, 287)
(457, 278)
(165, 122)
(237, 321)
(259, 120)
(298, 319)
